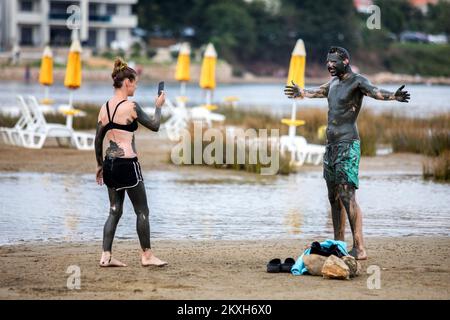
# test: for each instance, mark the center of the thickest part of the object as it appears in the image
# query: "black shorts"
(121, 173)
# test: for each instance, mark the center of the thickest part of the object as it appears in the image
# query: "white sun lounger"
(301, 151)
(16, 135)
(180, 117)
(32, 130)
(11, 135)
(203, 114)
(79, 140)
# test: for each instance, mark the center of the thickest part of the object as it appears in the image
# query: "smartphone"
(160, 87)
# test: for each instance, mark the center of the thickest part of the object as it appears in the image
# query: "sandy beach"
(410, 268)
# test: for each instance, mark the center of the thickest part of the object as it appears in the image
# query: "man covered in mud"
(345, 92)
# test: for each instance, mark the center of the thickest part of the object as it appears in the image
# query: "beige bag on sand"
(314, 263)
(335, 268)
(332, 267)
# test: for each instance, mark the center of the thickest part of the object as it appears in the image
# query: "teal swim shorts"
(341, 162)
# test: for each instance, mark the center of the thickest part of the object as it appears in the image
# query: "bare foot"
(108, 261)
(149, 259)
(358, 254)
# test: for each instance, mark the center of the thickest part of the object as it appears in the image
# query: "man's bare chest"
(342, 92)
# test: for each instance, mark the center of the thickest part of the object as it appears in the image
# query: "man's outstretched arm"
(380, 94)
(294, 91)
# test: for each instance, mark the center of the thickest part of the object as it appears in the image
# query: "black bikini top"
(112, 125)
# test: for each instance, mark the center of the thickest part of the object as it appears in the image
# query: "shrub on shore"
(252, 161)
(438, 168)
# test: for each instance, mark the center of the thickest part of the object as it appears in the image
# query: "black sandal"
(274, 266)
(287, 265)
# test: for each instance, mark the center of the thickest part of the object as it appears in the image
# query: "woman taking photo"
(120, 170)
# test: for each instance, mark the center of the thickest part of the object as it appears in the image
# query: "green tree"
(273, 44)
(169, 17)
(399, 15)
(439, 17)
(231, 28)
(321, 24)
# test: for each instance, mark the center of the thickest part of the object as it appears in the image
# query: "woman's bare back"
(120, 143)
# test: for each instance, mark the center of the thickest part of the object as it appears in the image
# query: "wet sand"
(410, 268)
(154, 154)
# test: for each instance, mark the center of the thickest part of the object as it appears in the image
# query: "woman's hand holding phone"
(161, 99)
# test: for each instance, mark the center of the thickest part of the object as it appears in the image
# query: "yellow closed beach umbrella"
(208, 72)
(182, 72)
(297, 65)
(72, 79)
(46, 72)
(297, 74)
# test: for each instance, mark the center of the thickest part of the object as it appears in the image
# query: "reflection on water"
(294, 220)
(71, 219)
(425, 100)
(216, 205)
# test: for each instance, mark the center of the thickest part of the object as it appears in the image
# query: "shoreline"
(135, 240)
(410, 268)
(158, 72)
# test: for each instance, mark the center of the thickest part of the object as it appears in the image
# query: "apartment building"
(34, 23)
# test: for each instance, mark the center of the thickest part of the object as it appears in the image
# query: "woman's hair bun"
(121, 72)
(119, 64)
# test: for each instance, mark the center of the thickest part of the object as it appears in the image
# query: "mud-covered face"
(336, 65)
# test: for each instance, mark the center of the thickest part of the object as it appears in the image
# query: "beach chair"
(301, 151)
(201, 113)
(181, 116)
(11, 135)
(296, 146)
(79, 140)
(177, 122)
(315, 153)
(15, 135)
(37, 130)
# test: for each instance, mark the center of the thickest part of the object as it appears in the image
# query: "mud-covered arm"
(372, 91)
(294, 91)
(151, 123)
(320, 92)
(98, 143)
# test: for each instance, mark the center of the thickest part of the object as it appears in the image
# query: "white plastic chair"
(315, 153)
(296, 146)
(179, 118)
(177, 122)
(32, 130)
(19, 134)
(203, 114)
(79, 140)
(301, 151)
(11, 135)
